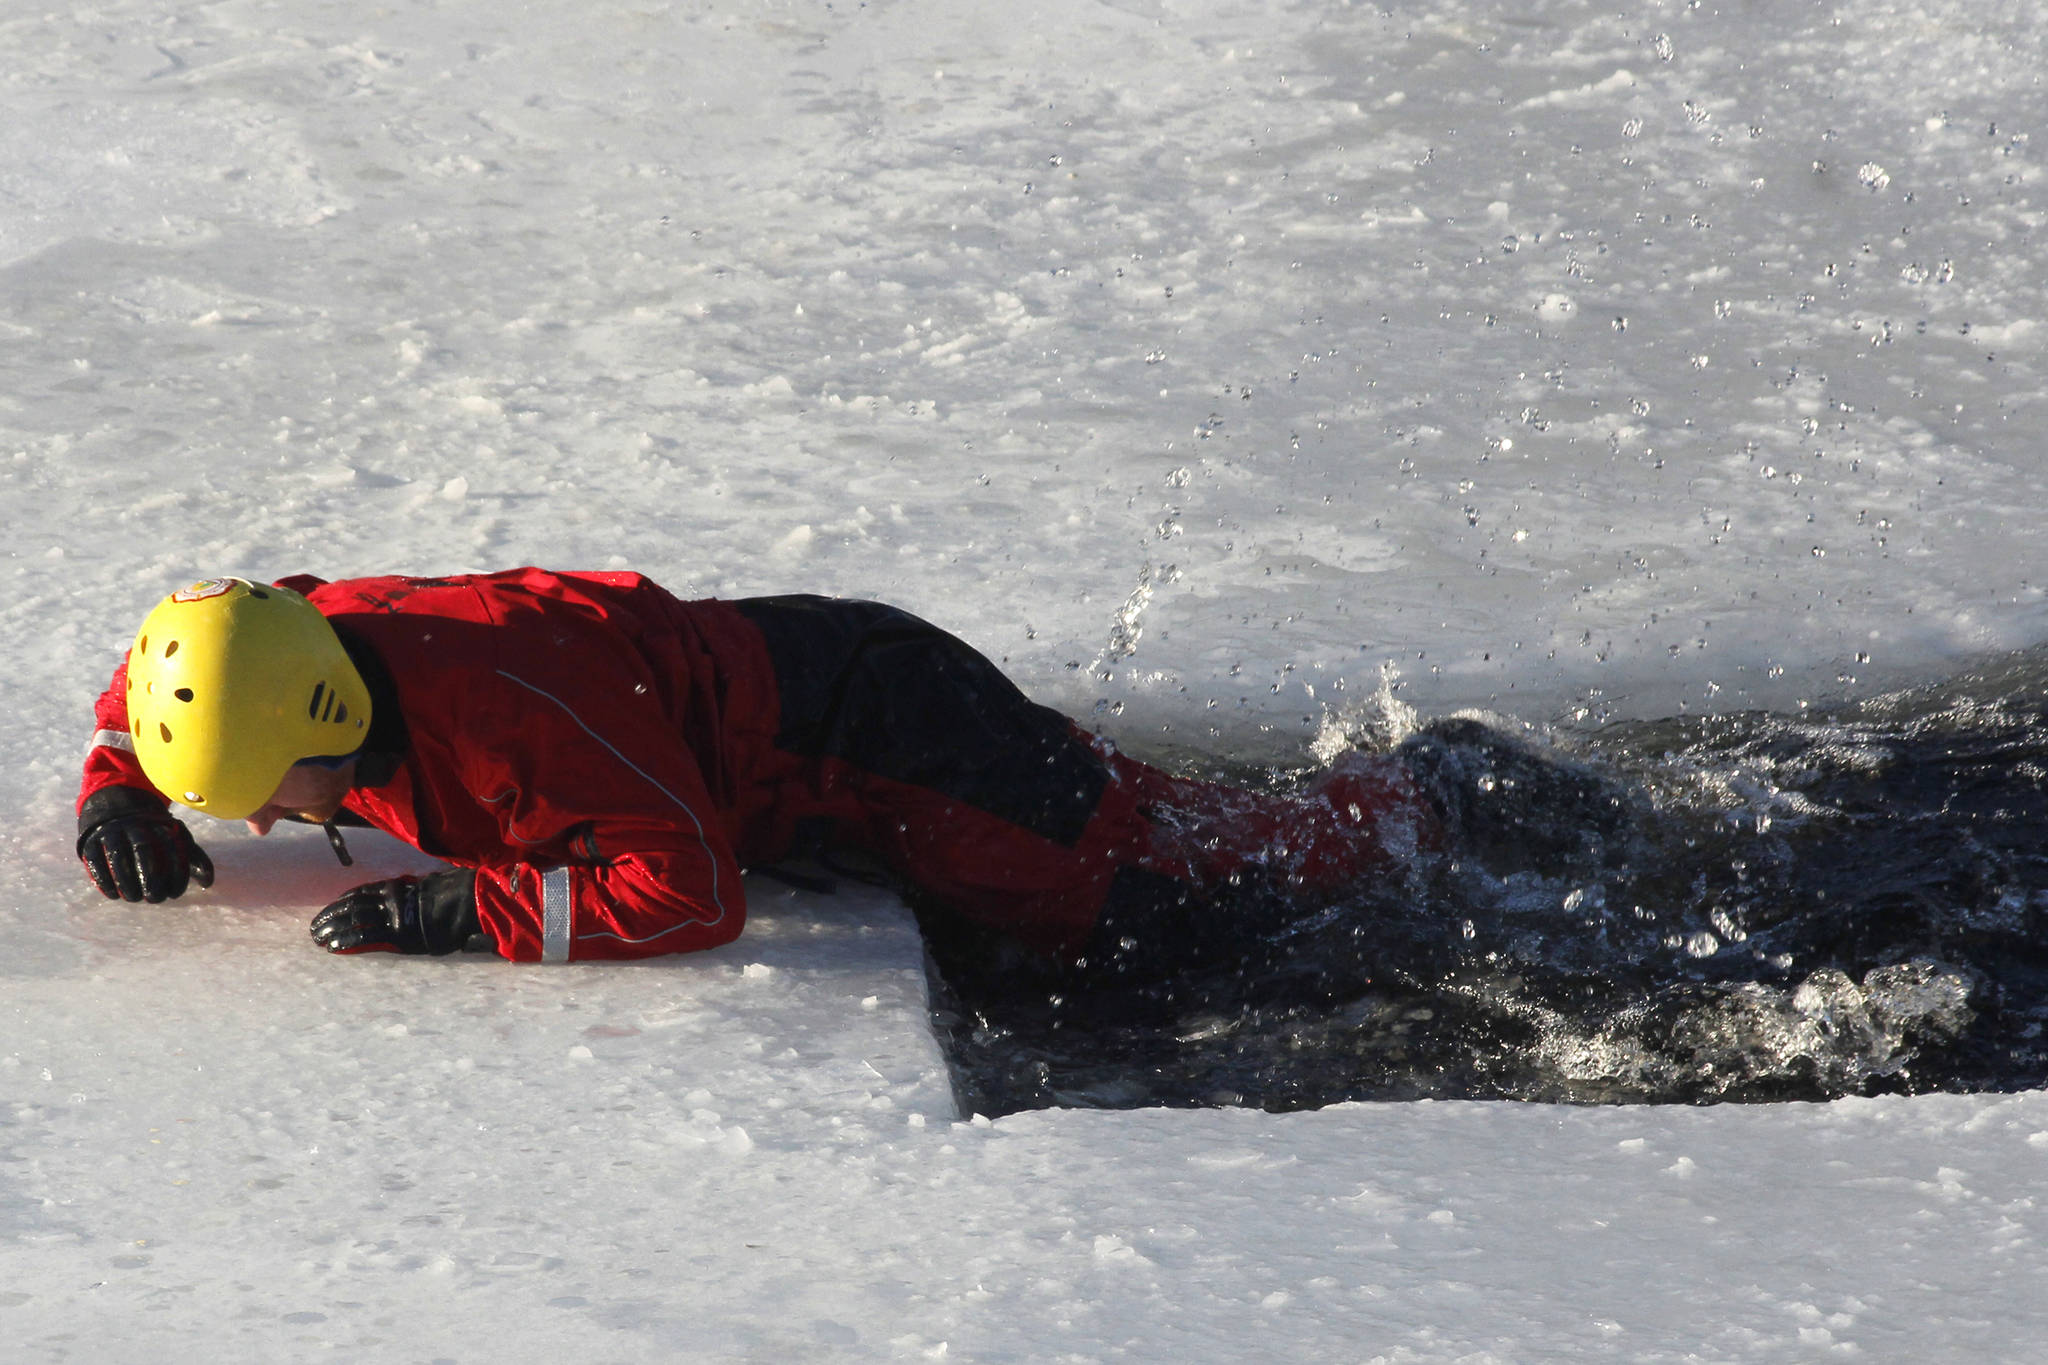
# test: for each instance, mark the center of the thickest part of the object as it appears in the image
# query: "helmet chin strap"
(334, 840)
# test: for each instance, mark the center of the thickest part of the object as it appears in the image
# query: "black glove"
(135, 850)
(434, 914)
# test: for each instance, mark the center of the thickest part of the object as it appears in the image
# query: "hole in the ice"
(1873, 879)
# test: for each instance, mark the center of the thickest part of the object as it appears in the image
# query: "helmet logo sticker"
(203, 589)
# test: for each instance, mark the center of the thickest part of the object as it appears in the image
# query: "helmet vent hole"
(183, 694)
(341, 713)
(142, 645)
(258, 592)
(170, 649)
(164, 730)
(313, 706)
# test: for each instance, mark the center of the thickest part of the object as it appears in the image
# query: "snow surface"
(1235, 372)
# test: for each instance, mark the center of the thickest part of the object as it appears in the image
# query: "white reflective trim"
(554, 915)
(112, 739)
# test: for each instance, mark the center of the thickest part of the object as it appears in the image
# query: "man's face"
(309, 791)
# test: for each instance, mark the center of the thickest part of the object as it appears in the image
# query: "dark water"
(1799, 907)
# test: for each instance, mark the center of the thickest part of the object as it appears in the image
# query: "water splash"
(1127, 627)
(1379, 722)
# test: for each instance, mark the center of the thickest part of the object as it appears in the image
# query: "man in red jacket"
(599, 760)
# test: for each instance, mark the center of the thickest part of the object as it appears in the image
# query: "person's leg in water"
(1243, 870)
(1226, 873)
(1513, 806)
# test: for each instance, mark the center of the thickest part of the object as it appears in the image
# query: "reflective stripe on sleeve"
(554, 915)
(111, 739)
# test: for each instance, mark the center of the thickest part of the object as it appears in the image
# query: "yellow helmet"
(230, 684)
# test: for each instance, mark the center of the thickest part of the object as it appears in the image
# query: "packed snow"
(1240, 374)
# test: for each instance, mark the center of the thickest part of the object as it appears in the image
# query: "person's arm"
(132, 847)
(640, 906)
(611, 845)
(649, 897)
(663, 897)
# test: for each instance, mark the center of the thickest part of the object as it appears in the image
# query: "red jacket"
(584, 741)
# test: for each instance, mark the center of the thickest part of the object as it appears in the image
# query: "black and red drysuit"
(607, 758)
